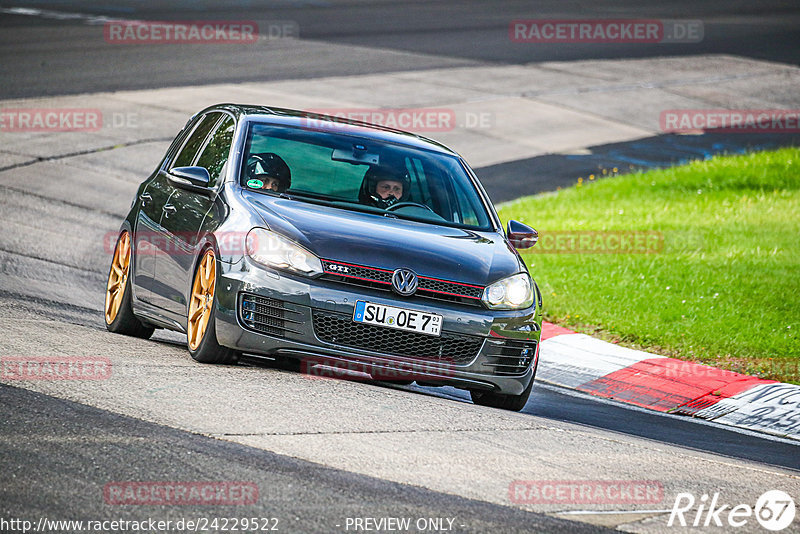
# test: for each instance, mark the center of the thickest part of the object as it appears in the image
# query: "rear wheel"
(118, 311)
(201, 325)
(501, 400)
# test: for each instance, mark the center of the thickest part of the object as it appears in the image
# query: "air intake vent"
(340, 329)
(509, 357)
(265, 315)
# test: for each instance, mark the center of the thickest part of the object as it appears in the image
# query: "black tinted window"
(215, 154)
(186, 156)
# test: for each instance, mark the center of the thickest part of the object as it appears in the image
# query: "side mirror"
(521, 235)
(191, 178)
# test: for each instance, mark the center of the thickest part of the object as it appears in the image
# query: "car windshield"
(357, 173)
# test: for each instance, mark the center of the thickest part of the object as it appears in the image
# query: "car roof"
(302, 119)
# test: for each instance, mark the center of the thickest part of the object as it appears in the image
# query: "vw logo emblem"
(405, 282)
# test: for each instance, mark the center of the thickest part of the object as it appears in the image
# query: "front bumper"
(311, 320)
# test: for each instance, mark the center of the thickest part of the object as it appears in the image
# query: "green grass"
(725, 287)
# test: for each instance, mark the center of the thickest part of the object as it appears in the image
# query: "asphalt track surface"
(42, 55)
(61, 50)
(59, 455)
(56, 454)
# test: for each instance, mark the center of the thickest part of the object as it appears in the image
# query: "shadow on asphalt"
(508, 181)
(558, 404)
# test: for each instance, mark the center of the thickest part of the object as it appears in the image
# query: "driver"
(383, 187)
(269, 172)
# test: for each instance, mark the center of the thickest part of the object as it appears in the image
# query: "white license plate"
(402, 319)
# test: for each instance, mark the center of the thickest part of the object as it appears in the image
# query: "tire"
(503, 401)
(119, 317)
(201, 320)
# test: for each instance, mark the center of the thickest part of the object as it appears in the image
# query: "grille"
(350, 270)
(441, 286)
(509, 357)
(265, 315)
(448, 348)
(374, 277)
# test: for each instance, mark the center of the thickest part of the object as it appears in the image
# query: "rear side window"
(312, 169)
(195, 141)
(215, 154)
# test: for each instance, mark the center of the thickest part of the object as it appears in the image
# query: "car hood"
(373, 240)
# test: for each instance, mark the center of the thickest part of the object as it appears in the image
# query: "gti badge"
(405, 282)
(336, 267)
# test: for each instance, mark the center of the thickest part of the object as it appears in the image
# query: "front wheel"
(118, 311)
(200, 327)
(503, 401)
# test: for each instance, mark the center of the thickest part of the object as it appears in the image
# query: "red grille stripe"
(450, 282)
(446, 293)
(429, 290)
(359, 278)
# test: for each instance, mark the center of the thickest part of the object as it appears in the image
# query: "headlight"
(512, 293)
(273, 250)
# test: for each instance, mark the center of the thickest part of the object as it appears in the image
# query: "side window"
(419, 181)
(189, 150)
(215, 154)
(467, 213)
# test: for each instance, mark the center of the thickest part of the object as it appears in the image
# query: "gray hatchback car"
(332, 244)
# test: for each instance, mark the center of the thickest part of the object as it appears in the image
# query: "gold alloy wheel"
(202, 299)
(118, 277)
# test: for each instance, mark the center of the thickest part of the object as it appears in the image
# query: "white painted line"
(58, 15)
(575, 359)
(773, 408)
(612, 512)
(545, 384)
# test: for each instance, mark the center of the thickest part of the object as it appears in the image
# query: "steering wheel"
(406, 204)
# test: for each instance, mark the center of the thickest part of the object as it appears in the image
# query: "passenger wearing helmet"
(268, 171)
(383, 187)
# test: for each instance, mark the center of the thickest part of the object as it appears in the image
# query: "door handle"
(144, 197)
(168, 208)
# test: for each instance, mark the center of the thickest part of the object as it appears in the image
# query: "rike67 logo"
(774, 510)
